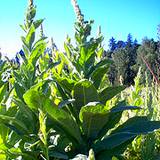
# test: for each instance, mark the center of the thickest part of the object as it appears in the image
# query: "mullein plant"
(26, 74)
(84, 120)
(145, 147)
(82, 60)
(38, 126)
(22, 131)
(85, 50)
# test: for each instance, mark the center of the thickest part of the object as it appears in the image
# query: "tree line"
(128, 56)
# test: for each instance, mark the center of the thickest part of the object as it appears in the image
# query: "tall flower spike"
(30, 2)
(80, 16)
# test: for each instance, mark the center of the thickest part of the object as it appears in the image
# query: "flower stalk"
(80, 16)
(30, 2)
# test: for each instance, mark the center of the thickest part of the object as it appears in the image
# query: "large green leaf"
(138, 125)
(30, 37)
(88, 65)
(3, 132)
(27, 75)
(18, 78)
(116, 152)
(112, 141)
(91, 53)
(83, 52)
(33, 99)
(123, 108)
(66, 98)
(125, 132)
(70, 64)
(34, 96)
(14, 124)
(37, 52)
(66, 83)
(87, 56)
(115, 115)
(26, 114)
(3, 128)
(40, 41)
(68, 51)
(62, 92)
(100, 53)
(19, 90)
(83, 93)
(98, 75)
(3, 90)
(65, 122)
(93, 117)
(109, 92)
(24, 42)
(97, 119)
(37, 23)
(103, 62)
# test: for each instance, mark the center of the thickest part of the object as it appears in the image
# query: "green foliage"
(124, 55)
(93, 123)
(59, 107)
(83, 93)
(144, 147)
(124, 60)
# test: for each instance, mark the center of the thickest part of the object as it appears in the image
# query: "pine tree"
(124, 58)
(112, 44)
(129, 41)
(121, 44)
(135, 42)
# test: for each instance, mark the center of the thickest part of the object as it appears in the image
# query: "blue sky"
(116, 17)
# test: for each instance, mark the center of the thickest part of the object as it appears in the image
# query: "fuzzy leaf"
(83, 93)
(127, 131)
(37, 23)
(109, 92)
(98, 74)
(30, 37)
(65, 122)
(37, 52)
(93, 117)
(3, 90)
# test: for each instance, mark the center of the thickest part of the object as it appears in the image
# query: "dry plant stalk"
(30, 2)
(149, 67)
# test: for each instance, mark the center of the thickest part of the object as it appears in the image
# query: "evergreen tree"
(121, 44)
(112, 47)
(129, 41)
(112, 44)
(124, 58)
(121, 60)
(135, 42)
